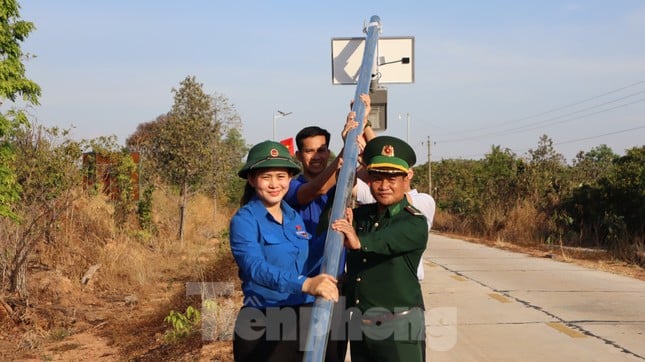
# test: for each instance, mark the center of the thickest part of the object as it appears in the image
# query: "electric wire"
(560, 119)
(598, 136)
(532, 127)
(515, 121)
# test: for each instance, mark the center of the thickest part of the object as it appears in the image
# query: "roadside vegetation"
(130, 243)
(538, 199)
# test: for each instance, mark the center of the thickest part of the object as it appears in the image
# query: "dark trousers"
(279, 334)
(391, 340)
(268, 334)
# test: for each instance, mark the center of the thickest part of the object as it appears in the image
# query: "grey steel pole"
(429, 170)
(279, 114)
(316, 343)
(407, 119)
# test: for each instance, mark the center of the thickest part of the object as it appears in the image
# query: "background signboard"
(394, 55)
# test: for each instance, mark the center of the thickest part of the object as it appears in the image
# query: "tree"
(497, 187)
(212, 137)
(47, 169)
(545, 172)
(455, 183)
(628, 183)
(184, 142)
(610, 211)
(143, 141)
(13, 85)
(500, 175)
(117, 173)
(589, 167)
(228, 152)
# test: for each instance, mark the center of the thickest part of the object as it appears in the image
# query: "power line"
(576, 118)
(598, 136)
(558, 119)
(581, 101)
(549, 122)
(559, 108)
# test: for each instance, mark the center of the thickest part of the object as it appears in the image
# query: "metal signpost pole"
(322, 310)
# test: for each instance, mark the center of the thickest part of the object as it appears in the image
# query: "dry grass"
(125, 264)
(447, 222)
(140, 277)
(524, 230)
(524, 224)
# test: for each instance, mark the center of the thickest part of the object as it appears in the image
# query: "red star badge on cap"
(388, 151)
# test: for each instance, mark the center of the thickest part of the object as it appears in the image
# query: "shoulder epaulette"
(413, 210)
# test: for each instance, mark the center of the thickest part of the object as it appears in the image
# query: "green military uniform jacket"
(383, 272)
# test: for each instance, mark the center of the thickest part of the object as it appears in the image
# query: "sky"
(486, 73)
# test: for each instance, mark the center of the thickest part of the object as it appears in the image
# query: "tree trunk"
(182, 211)
(18, 266)
(19, 279)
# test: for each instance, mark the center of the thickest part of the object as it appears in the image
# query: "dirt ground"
(118, 327)
(107, 326)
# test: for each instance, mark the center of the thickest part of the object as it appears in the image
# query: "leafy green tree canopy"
(13, 85)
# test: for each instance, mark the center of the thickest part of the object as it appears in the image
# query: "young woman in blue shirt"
(270, 245)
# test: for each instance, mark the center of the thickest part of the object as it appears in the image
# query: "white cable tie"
(374, 23)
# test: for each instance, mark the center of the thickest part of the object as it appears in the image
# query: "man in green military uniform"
(385, 242)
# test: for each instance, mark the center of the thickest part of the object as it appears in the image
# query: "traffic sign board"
(394, 59)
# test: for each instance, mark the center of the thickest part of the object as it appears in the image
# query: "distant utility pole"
(407, 130)
(407, 118)
(429, 169)
(279, 114)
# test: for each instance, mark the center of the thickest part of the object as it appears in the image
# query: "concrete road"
(485, 304)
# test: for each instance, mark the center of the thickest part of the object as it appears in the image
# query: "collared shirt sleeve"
(292, 194)
(426, 204)
(248, 251)
(363, 193)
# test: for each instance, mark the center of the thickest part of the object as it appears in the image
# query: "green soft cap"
(269, 154)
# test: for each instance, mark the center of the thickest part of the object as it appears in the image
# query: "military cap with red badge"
(269, 154)
(389, 155)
